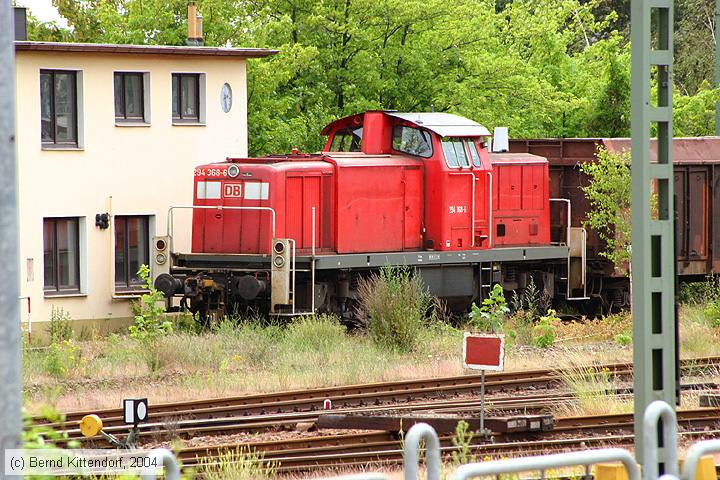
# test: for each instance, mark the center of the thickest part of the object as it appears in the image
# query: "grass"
(594, 390)
(239, 464)
(251, 356)
(235, 358)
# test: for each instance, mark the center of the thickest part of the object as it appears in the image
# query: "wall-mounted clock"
(226, 97)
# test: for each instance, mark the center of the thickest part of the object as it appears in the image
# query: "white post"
(10, 386)
(482, 402)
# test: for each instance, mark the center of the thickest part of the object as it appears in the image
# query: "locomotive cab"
(457, 205)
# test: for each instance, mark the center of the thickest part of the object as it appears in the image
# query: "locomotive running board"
(243, 262)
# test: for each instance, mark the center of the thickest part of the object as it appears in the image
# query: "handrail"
(411, 454)
(569, 217)
(217, 207)
(545, 462)
(693, 456)
(490, 214)
(654, 412)
(169, 462)
(472, 213)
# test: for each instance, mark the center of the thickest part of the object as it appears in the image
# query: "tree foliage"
(543, 68)
(609, 191)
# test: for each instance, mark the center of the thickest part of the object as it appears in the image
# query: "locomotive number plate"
(457, 209)
(211, 172)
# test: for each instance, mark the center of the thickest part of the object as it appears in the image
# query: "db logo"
(232, 190)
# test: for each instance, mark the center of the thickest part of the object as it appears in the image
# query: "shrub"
(698, 293)
(393, 307)
(489, 316)
(544, 332)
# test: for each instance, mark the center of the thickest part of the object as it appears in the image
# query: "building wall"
(122, 170)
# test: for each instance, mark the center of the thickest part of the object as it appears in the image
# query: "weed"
(150, 321)
(59, 329)
(149, 317)
(239, 464)
(623, 339)
(489, 316)
(393, 307)
(62, 358)
(462, 440)
(544, 333)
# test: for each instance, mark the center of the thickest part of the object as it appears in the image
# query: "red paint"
(483, 351)
(375, 200)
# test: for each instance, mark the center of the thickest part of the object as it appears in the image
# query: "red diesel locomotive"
(289, 234)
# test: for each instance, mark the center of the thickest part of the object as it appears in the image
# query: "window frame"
(468, 144)
(47, 144)
(56, 289)
(198, 90)
(142, 119)
(422, 132)
(128, 286)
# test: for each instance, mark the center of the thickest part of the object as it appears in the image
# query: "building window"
(58, 107)
(129, 97)
(61, 238)
(186, 97)
(131, 250)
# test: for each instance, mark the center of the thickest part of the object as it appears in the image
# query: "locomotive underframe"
(212, 281)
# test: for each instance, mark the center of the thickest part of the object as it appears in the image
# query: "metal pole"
(10, 386)
(482, 402)
(653, 250)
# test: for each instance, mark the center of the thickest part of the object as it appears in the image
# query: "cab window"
(460, 152)
(474, 154)
(412, 141)
(455, 154)
(347, 140)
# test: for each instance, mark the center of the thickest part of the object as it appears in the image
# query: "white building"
(116, 130)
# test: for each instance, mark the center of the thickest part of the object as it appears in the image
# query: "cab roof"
(444, 124)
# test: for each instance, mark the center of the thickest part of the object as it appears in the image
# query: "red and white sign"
(484, 351)
(232, 190)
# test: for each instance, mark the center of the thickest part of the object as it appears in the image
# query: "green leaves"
(551, 68)
(609, 192)
(490, 315)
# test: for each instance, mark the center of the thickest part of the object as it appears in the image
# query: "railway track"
(363, 395)
(504, 406)
(378, 448)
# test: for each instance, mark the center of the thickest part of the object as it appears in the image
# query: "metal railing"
(168, 461)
